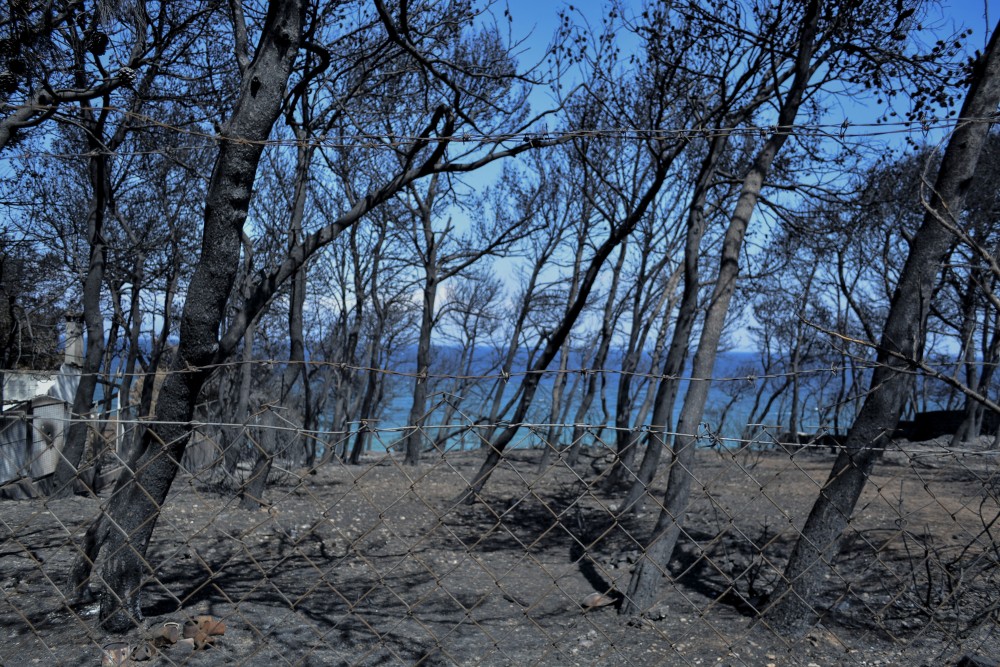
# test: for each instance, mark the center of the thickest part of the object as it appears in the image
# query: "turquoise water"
(731, 399)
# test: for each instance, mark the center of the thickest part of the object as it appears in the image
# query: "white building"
(36, 412)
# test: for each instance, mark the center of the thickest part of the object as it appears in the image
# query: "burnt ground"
(375, 565)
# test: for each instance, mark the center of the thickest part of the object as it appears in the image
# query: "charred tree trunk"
(673, 365)
(252, 493)
(126, 410)
(642, 318)
(366, 410)
(600, 359)
(900, 347)
(798, 355)
(100, 148)
(553, 436)
(416, 437)
(232, 444)
(969, 428)
(234, 387)
(423, 214)
(644, 584)
(76, 437)
(134, 512)
(524, 309)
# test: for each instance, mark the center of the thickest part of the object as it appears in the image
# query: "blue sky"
(535, 21)
(540, 15)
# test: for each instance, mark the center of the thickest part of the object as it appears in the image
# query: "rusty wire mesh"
(377, 563)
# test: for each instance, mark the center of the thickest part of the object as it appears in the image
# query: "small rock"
(183, 647)
(658, 613)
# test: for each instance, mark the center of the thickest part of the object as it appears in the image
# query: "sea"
(732, 413)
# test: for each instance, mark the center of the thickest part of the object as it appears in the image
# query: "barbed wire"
(846, 129)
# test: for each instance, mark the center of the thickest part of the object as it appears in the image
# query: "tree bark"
(798, 354)
(416, 437)
(62, 483)
(600, 359)
(645, 310)
(100, 148)
(644, 584)
(528, 294)
(252, 493)
(366, 409)
(234, 387)
(900, 348)
(126, 410)
(133, 513)
(673, 365)
(553, 435)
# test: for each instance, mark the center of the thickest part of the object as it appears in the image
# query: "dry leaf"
(595, 600)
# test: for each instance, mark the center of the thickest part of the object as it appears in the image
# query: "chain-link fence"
(329, 563)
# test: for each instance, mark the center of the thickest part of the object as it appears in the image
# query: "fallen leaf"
(595, 600)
